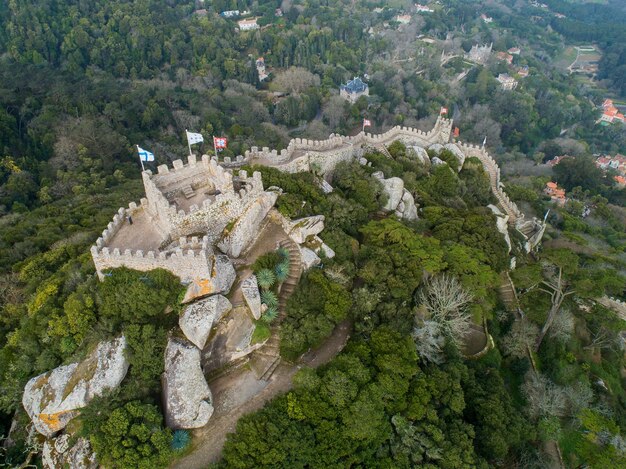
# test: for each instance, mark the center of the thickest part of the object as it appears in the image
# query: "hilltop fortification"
(195, 211)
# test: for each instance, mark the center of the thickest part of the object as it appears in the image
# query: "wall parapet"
(299, 147)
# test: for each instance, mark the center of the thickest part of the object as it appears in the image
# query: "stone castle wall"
(493, 170)
(324, 155)
(188, 261)
(212, 216)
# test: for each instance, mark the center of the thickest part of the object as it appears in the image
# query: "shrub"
(282, 271)
(265, 278)
(270, 315)
(269, 298)
(180, 440)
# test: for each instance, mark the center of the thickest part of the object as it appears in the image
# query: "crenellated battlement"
(493, 170)
(325, 154)
(187, 264)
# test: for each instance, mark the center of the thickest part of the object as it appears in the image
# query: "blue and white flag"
(194, 138)
(145, 155)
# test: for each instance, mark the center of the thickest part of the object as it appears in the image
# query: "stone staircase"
(384, 151)
(265, 360)
(295, 271)
(188, 192)
(527, 229)
(508, 294)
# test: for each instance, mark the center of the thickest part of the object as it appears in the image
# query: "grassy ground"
(261, 332)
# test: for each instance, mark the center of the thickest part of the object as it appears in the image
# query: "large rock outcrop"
(246, 228)
(199, 318)
(57, 453)
(187, 397)
(54, 398)
(422, 155)
(251, 295)
(303, 228)
(502, 224)
(456, 151)
(399, 200)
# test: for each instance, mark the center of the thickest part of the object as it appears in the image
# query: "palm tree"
(269, 298)
(265, 278)
(282, 271)
(270, 315)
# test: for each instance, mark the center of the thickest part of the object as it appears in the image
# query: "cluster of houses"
(617, 163)
(556, 194)
(610, 113)
(603, 162)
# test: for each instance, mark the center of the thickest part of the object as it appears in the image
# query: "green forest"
(81, 83)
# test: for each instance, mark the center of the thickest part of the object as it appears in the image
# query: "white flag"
(485, 141)
(194, 138)
(145, 155)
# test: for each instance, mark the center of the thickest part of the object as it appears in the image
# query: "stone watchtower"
(188, 210)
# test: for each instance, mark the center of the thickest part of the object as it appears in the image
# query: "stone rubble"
(57, 453)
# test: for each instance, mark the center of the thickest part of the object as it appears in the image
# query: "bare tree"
(544, 398)
(447, 302)
(334, 110)
(295, 80)
(520, 338)
(563, 326)
(429, 341)
(557, 289)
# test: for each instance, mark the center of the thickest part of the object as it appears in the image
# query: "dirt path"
(240, 393)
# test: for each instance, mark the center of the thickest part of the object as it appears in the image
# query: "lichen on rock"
(187, 397)
(54, 398)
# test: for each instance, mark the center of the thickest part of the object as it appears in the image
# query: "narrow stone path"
(266, 360)
(508, 294)
(209, 440)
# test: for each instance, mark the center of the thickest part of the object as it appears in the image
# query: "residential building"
(479, 54)
(523, 71)
(515, 50)
(486, 19)
(423, 8)
(610, 113)
(354, 89)
(556, 160)
(230, 14)
(504, 57)
(403, 19)
(248, 24)
(507, 82)
(556, 194)
(260, 68)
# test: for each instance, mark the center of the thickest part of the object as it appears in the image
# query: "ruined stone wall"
(188, 261)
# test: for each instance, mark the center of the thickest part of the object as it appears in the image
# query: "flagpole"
(140, 160)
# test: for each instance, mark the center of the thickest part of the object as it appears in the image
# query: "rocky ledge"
(53, 399)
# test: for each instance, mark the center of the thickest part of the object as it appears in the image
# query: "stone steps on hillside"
(267, 358)
(507, 293)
